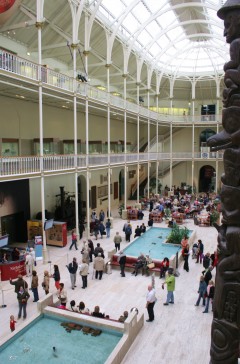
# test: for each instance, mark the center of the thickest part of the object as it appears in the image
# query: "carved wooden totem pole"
(226, 307)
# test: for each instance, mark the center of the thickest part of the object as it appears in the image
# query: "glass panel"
(9, 149)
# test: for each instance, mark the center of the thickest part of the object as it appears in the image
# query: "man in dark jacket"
(20, 282)
(97, 250)
(72, 268)
(122, 261)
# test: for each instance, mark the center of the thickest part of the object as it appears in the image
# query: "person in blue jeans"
(170, 282)
(201, 291)
(210, 295)
(108, 227)
(22, 297)
(34, 286)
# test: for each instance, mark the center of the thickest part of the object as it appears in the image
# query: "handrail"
(14, 64)
(32, 165)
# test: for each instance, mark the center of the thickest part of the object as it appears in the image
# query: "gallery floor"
(179, 334)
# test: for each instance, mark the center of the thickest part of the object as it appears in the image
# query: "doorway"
(207, 179)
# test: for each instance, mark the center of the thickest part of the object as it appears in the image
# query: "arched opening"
(207, 179)
(121, 184)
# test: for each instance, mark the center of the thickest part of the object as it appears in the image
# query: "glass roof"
(176, 37)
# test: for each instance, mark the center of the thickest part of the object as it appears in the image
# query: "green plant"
(176, 235)
(214, 217)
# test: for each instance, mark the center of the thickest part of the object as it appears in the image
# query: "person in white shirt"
(151, 299)
(33, 254)
(84, 273)
(29, 263)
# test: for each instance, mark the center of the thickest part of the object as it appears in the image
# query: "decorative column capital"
(39, 24)
(86, 53)
(74, 45)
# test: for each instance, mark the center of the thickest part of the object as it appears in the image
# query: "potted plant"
(176, 235)
(214, 217)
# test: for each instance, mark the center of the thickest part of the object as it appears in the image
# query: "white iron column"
(39, 25)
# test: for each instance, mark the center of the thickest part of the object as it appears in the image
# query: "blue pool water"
(152, 243)
(34, 345)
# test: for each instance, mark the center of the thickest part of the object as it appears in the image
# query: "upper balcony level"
(35, 166)
(19, 69)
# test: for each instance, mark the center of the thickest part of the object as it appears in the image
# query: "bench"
(130, 264)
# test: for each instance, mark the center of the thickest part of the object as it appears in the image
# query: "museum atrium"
(107, 96)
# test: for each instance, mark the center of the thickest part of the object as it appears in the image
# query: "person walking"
(22, 297)
(84, 273)
(122, 261)
(98, 265)
(34, 286)
(20, 282)
(185, 253)
(46, 282)
(151, 299)
(210, 295)
(29, 263)
(72, 268)
(74, 240)
(33, 254)
(201, 291)
(108, 227)
(128, 232)
(91, 250)
(200, 251)
(56, 276)
(170, 282)
(101, 229)
(81, 229)
(117, 241)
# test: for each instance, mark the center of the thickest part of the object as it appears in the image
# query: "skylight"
(170, 34)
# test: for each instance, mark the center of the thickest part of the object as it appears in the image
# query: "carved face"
(232, 25)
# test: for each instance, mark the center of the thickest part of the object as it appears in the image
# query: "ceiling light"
(28, 53)
(102, 88)
(116, 93)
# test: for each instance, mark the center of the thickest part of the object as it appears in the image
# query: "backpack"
(128, 230)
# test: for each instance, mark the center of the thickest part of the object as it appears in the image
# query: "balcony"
(36, 166)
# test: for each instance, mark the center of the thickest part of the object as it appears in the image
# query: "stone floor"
(180, 333)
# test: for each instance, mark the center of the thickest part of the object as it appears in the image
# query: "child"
(12, 323)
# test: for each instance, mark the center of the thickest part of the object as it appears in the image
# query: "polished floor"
(179, 334)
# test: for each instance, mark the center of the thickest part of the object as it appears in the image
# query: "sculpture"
(226, 306)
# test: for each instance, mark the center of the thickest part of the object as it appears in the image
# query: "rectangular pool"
(152, 242)
(35, 343)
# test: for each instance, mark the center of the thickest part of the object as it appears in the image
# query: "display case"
(10, 148)
(57, 235)
(50, 146)
(68, 146)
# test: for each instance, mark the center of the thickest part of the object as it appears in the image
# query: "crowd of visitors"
(94, 253)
